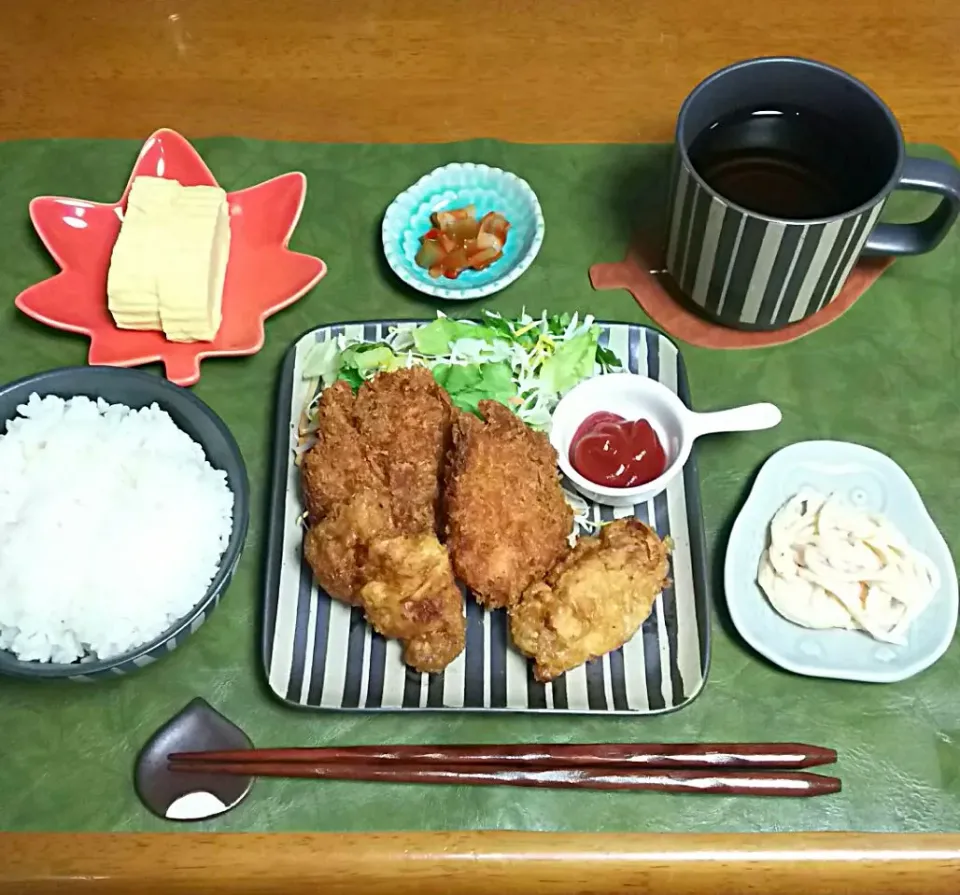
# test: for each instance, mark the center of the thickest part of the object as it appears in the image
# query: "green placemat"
(885, 374)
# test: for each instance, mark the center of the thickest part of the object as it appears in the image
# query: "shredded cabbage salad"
(528, 363)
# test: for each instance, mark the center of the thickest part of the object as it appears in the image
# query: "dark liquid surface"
(786, 162)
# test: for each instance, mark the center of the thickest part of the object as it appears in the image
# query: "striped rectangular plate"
(319, 653)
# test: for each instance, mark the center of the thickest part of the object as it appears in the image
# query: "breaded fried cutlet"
(592, 601)
(338, 465)
(404, 419)
(336, 547)
(411, 594)
(507, 518)
(371, 486)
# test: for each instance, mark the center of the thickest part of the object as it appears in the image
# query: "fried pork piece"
(411, 594)
(338, 465)
(336, 547)
(404, 418)
(507, 519)
(593, 601)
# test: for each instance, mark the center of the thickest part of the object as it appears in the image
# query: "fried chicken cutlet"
(371, 486)
(507, 519)
(592, 601)
(411, 594)
(404, 421)
(391, 437)
(345, 496)
(339, 464)
(336, 547)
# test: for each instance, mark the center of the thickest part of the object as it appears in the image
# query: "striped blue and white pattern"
(320, 653)
(148, 658)
(89, 672)
(751, 273)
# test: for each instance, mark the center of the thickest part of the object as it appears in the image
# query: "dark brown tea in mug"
(786, 162)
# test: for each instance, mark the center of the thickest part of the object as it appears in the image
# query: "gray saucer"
(192, 797)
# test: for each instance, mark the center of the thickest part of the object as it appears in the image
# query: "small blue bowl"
(454, 186)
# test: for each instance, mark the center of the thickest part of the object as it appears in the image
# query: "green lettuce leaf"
(558, 323)
(434, 339)
(608, 359)
(358, 361)
(352, 376)
(322, 362)
(380, 357)
(572, 362)
(469, 384)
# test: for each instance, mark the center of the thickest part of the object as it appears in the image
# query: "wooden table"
(409, 71)
(398, 71)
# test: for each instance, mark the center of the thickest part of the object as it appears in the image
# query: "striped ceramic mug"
(753, 270)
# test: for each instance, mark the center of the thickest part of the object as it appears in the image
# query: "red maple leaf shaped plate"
(263, 275)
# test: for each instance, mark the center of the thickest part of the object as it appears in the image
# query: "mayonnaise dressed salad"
(829, 565)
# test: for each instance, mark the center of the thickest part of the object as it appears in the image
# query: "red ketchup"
(615, 452)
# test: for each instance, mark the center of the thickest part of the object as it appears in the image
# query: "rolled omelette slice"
(191, 288)
(133, 296)
(168, 265)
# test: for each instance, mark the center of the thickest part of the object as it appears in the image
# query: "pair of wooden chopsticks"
(757, 769)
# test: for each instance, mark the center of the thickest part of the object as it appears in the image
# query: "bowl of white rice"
(124, 506)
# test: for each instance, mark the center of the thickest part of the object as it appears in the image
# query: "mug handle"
(925, 175)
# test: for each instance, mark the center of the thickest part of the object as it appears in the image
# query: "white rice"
(112, 525)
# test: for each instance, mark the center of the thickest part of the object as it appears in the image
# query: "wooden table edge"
(473, 862)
